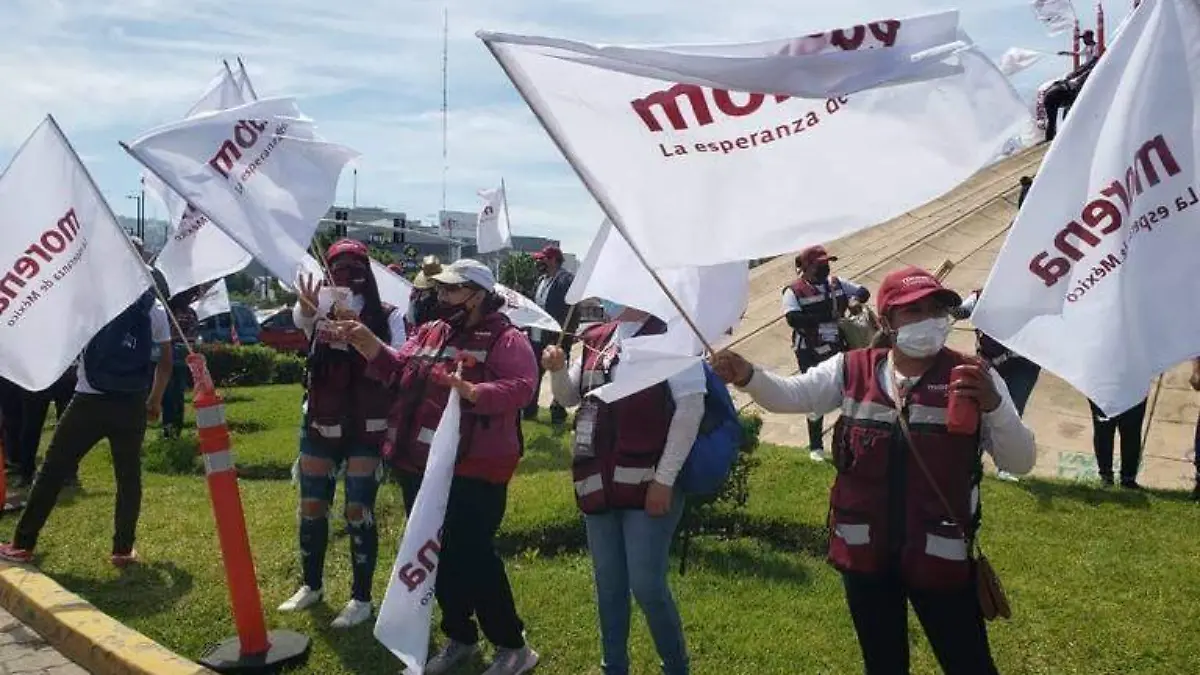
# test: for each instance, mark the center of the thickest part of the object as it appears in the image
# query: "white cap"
(467, 270)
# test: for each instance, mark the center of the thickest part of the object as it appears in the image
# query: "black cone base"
(288, 648)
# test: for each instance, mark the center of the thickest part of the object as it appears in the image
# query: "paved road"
(24, 652)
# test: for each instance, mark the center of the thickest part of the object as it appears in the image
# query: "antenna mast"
(445, 98)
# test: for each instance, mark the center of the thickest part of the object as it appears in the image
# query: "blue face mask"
(611, 309)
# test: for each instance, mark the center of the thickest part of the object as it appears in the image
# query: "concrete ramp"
(968, 227)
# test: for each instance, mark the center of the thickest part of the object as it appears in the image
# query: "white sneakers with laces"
(354, 613)
(513, 661)
(450, 656)
(303, 599)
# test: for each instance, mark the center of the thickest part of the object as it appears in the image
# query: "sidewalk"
(24, 652)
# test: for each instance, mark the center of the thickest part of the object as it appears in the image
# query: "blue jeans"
(319, 467)
(630, 554)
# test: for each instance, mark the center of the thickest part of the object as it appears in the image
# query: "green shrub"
(171, 455)
(240, 366)
(289, 368)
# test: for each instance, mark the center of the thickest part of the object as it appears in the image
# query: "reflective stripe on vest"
(425, 435)
(449, 353)
(867, 411)
(633, 475)
(947, 548)
(327, 430)
(375, 425)
(592, 484)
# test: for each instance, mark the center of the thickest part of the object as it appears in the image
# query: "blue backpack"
(117, 359)
(717, 444)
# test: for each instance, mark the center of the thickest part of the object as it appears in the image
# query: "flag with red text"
(1097, 279)
(404, 615)
(196, 252)
(66, 267)
(258, 172)
(860, 124)
(493, 231)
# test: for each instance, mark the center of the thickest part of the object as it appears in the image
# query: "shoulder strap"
(912, 446)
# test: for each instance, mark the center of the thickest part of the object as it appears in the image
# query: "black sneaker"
(1196, 492)
(1106, 480)
(1130, 484)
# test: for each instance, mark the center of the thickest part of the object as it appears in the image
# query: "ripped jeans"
(320, 464)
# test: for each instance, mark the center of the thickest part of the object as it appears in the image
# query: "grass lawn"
(1101, 581)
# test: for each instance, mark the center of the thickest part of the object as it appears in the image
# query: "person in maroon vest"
(496, 383)
(344, 424)
(904, 509)
(626, 456)
(812, 305)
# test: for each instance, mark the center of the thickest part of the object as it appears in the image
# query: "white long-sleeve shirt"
(687, 390)
(820, 391)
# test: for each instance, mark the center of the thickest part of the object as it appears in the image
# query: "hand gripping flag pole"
(254, 650)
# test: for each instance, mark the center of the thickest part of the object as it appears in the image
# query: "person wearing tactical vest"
(495, 384)
(344, 423)
(812, 305)
(114, 397)
(627, 455)
(904, 509)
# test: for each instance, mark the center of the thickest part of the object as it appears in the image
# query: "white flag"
(696, 174)
(394, 289)
(493, 232)
(1017, 59)
(256, 171)
(714, 297)
(403, 623)
(196, 252)
(68, 267)
(525, 313)
(215, 301)
(1057, 15)
(1091, 279)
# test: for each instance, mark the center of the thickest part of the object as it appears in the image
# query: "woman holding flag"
(474, 348)
(904, 509)
(626, 456)
(344, 424)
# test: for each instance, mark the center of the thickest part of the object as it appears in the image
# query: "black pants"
(816, 428)
(35, 405)
(558, 414)
(952, 622)
(10, 421)
(1104, 432)
(89, 419)
(1058, 98)
(471, 581)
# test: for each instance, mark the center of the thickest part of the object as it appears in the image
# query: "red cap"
(347, 247)
(549, 252)
(910, 284)
(814, 255)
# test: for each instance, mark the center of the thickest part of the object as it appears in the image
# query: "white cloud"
(369, 72)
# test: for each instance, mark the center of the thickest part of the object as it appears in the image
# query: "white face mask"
(923, 339)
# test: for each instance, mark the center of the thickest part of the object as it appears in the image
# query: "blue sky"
(369, 73)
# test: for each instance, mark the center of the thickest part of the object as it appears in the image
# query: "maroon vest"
(615, 463)
(344, 405)
(883, 510)
(825, 307)
(422, 402)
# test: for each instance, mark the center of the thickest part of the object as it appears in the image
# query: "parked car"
(216, 328)
(278, 331)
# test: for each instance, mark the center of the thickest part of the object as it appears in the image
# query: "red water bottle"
(962, 415)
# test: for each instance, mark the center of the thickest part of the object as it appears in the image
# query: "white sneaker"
(513, 661)
(303, 599)
(451, 655)
(354, 613)
(1004, 475)
(816, 455)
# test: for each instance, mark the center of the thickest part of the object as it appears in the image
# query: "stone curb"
(82, 633)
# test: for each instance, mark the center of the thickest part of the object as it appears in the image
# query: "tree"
(240, 282)
(519, 273)
(382, 255)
